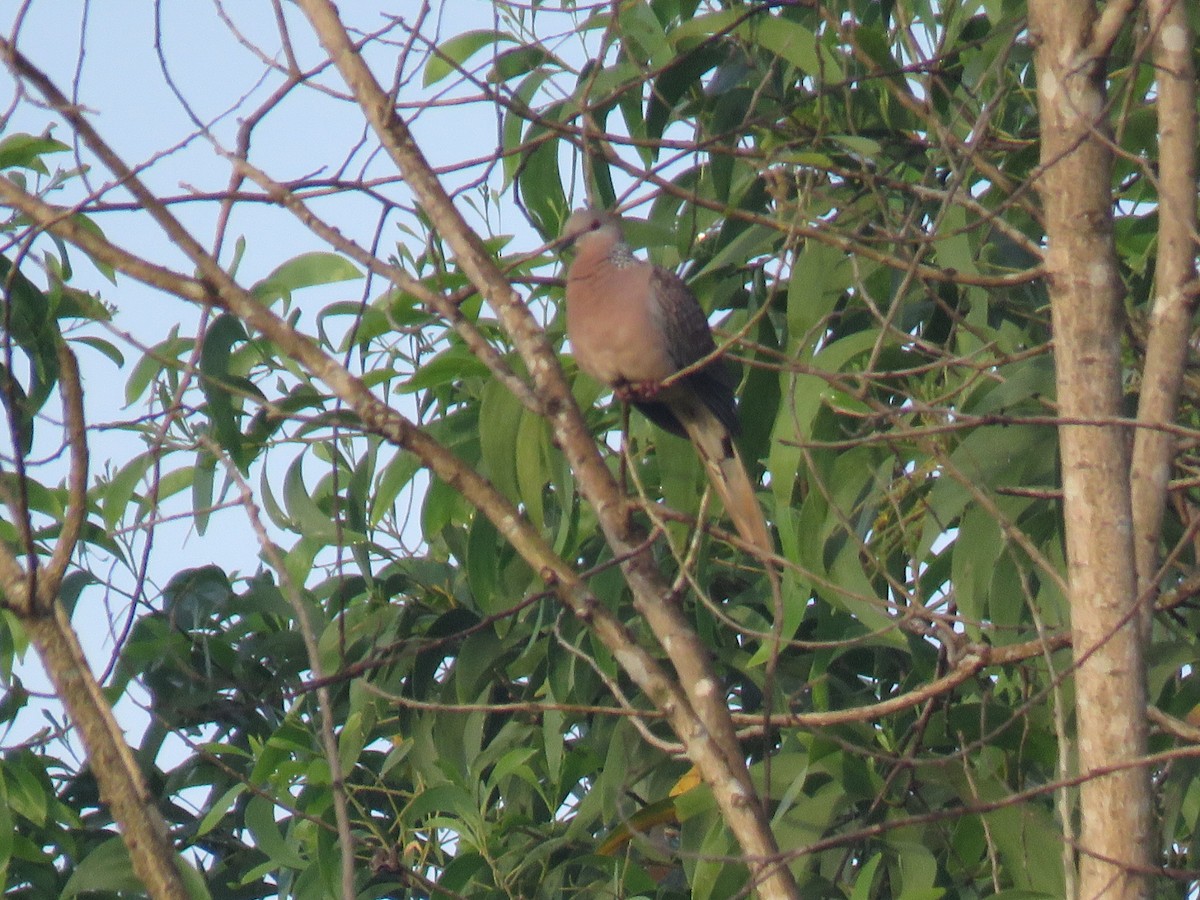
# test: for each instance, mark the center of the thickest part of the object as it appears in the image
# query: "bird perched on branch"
(633, 326)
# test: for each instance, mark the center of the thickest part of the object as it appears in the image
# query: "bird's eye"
(595, 226)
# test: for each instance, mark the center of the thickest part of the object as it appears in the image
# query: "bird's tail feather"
(728, 475)
(738, 496)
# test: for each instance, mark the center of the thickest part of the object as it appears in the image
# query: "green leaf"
(747, 244)
(217, 811)
(483, 564)
(533, 465)
(107, 868)
(27, 794)
(520, 61)
(499, 427)
(351, 740)
(86, 224)
(203, 485)
(791, 41)
(163, 356)
(306, 515)
(442, 502)
(918, 870)
(169, 485)
(7, 831)
(28, 318)
(820, 279)
(268, 839)
(119, 491)
(448, 367)
(643, 33)
(978, 546)
(700, 27)
(305, 270)
(866, 878)
(396, 475)
(862, 146)
(512, 135)
(26, 151)
(105, 347)
(454, 53)
(540, 178)
(195, 598)
(222, 388)
(681, 80)
(442, 798)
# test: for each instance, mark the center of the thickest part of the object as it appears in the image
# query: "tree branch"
(1174, 302)
(76, 510)
(730, 780)
(1085, 295)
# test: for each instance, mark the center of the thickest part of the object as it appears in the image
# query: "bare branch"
(724, 771)
(75, 514)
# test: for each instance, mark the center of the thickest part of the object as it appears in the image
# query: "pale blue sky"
(106, 52)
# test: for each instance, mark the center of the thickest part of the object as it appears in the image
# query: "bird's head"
(582, 224)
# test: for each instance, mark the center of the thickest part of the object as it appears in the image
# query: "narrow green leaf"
(866, 878)
(203, 485)
(26, 151)
(454, 53)
(26, 793)
(499, 426)
(792, 42)
(351, 740)
(308, 517)
(533, 465)
(644, 33)
(106, 347)
(260, 819)
(119, 491)
(305, 270)
(107, 868)
(821, 277)
(7, 831)
(448, 798)
(482, 562)
(514, 124)
(520, 61)
(220, 386)
(689, 32)
(449, 366)
(169, 485)
(157, 359)
(218, 810)
(396, 475)
(540, 178)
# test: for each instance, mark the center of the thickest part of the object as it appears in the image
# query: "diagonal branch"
(122, 786)
(652, 596)
(730, 783)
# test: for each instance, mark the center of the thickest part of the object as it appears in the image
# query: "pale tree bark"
(1175, 292)
(30, 592)
(1086, 293)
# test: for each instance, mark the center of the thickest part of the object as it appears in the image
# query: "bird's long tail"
(728, 475)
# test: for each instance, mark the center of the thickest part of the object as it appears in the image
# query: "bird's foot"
(637, 392)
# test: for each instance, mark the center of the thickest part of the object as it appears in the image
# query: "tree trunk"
(1086, 292)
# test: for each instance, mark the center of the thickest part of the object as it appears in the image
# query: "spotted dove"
(632, 325)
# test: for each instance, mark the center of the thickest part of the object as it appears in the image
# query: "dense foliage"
(848, 188)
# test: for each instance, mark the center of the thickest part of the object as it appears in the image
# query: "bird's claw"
(636, 392)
